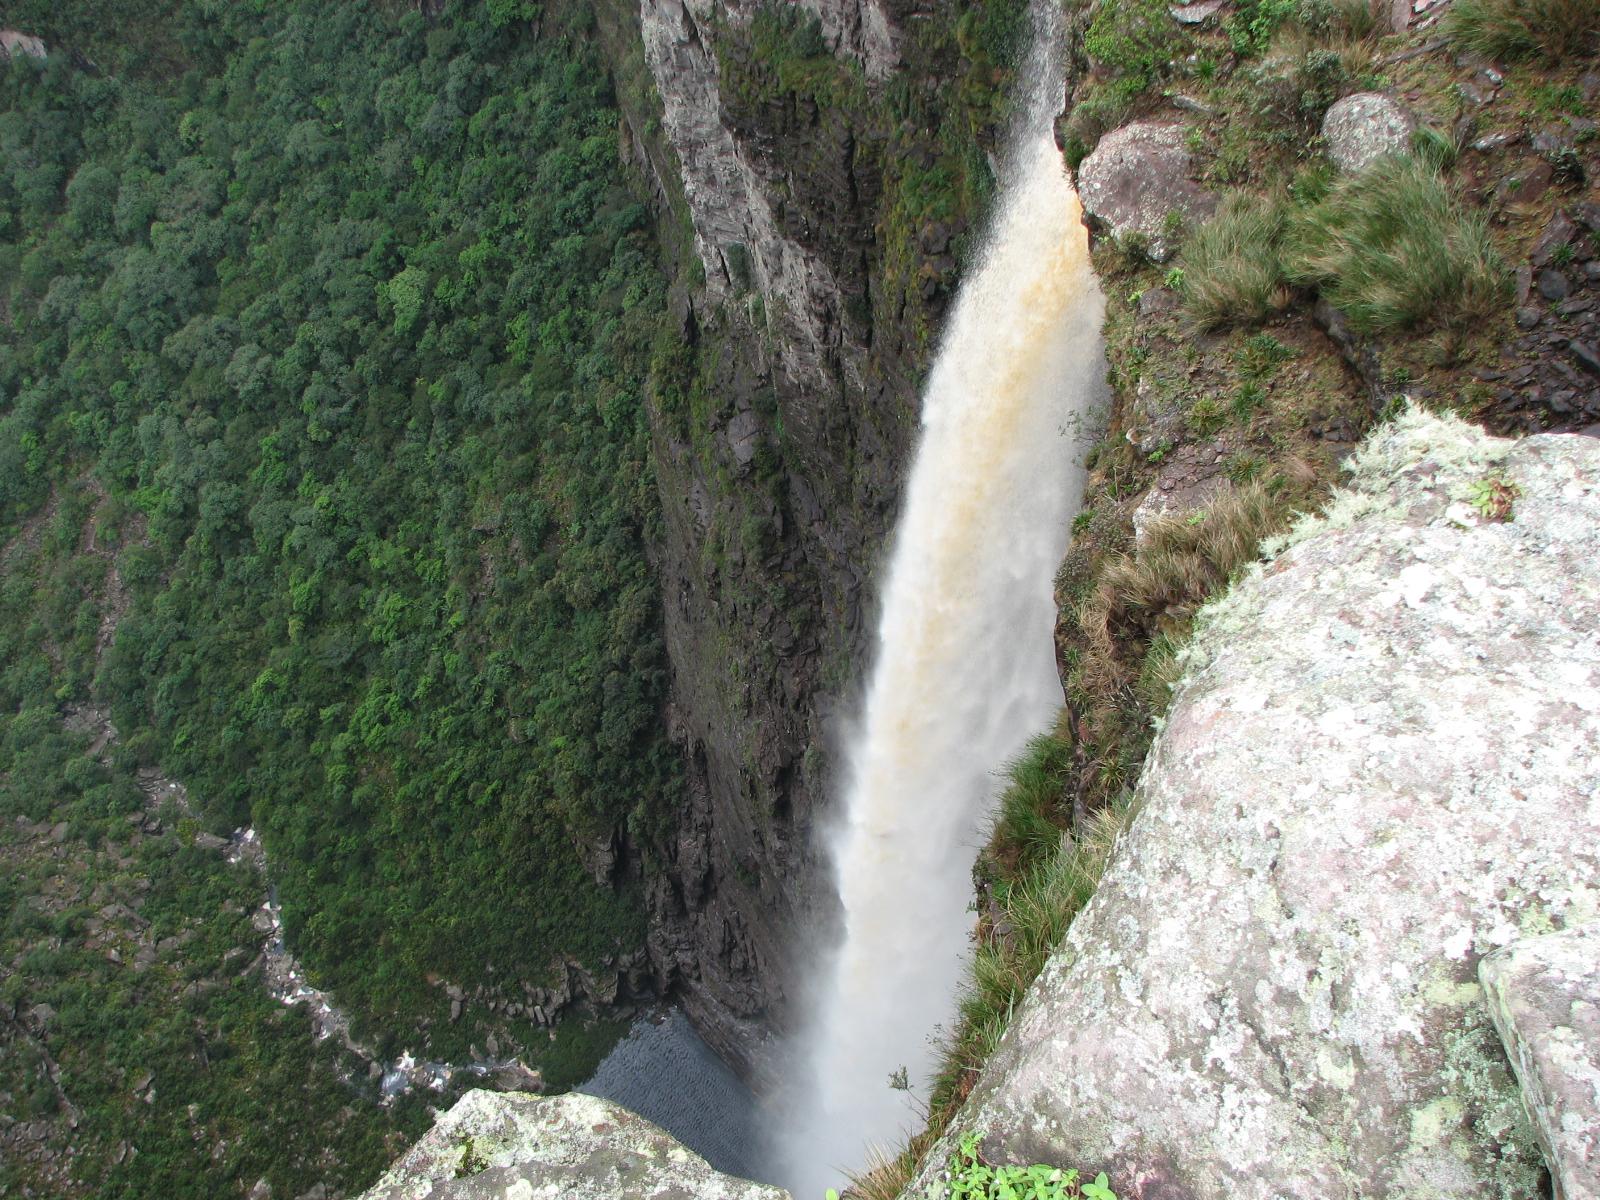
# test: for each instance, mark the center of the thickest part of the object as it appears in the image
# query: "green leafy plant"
(472, 1163)
(1495, 497)
(970, 1178)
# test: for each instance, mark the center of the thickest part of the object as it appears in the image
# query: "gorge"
(964, 667)
(511, 455)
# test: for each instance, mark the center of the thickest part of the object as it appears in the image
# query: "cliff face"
(816, 170)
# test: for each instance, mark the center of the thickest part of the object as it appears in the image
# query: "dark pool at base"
(665, 1073)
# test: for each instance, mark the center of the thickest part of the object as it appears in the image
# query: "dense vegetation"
(328, 324)
(138, 1057)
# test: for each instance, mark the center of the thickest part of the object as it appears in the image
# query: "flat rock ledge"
(1382, 765)
(510, 1146)
(1544, 996)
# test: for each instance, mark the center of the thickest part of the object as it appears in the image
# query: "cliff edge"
(1380, 767)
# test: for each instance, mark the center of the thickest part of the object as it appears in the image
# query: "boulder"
(1363, 128)
(1544, 995)
(1382, 764)
(14, 43)
(1136, 181)
(506, 1146)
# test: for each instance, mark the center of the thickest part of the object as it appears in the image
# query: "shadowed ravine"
(965, 669)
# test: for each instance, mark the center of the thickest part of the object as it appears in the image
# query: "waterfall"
(965, 669)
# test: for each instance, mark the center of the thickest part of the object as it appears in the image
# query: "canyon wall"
(817, 171)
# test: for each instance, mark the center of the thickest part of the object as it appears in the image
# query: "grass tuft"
(1392, 247)
(1154, 592)
(1029, 821)
(1037, 906)
(1552, 29)
(1232, 272)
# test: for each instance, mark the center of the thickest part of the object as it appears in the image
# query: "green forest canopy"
(346, 312)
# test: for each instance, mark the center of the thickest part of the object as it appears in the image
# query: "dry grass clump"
(1393, 247)
(1551, 29)
(1156, 589)
(1232, 272)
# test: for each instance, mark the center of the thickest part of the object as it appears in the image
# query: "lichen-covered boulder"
(1363, 128)
(1138, 180)
(1544, 995)
(509, 1146)
(1383, 763)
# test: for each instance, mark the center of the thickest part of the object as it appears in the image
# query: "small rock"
(1153, 302)
(1585, 356)
(1591, 271)
(14, 43)
(1558, 233)
(1494, 141)
(1553, 285)
(1541, 994)
(261, 1191)
(1473, 94)
(1552, 139)
(743, 434)
(1524, 284)
(455, 1010)
(59, 832)
(1189, 104)
(1195, 13)
(1365, 127)
(1526, 187)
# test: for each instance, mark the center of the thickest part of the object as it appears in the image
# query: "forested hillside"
(323, 468)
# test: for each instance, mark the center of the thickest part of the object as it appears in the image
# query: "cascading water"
(965, 672)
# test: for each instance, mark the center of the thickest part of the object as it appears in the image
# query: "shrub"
(1232, 274)
(968, 1177)
(1553, 29)
(1393, 247)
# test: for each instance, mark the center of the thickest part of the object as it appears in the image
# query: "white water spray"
(965, 672)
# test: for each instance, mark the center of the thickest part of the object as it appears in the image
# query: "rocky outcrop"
(1363, 128)
(505, 1146)
(1138, 181)
(1383, 764)
(14, 44)
(736, 234)
(1544, 995)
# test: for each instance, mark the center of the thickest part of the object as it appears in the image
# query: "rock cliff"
(1381, 765)
(814, 212)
